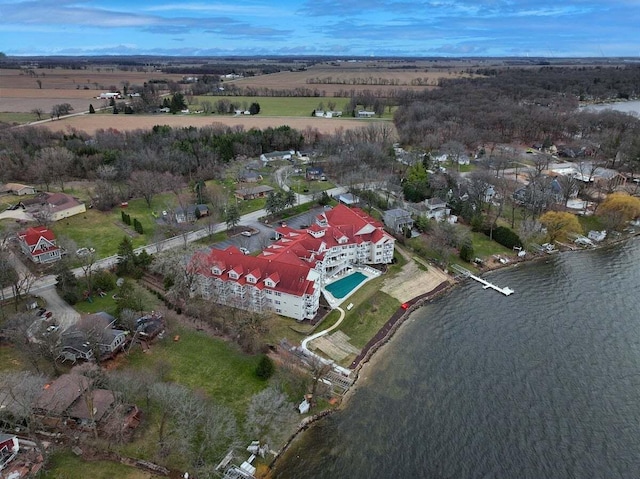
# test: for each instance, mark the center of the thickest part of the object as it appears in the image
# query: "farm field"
(20, 91)
(91, 123)
(377, 77)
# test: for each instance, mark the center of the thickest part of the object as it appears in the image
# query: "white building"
(287, 276)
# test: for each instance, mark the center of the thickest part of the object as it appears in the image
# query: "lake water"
(544, 383)
(632, 107)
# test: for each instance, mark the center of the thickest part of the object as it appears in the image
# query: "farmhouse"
(288, 275)
(18, 189)
(109, 96)
(39, 244)
(55, 205)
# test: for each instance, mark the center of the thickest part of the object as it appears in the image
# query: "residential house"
(315, 173)
(260, 191)
(92, 334)
(72, 401)
(39, 244)
(56, 205)
(398, 220)
(191, 213)
(9, 448)
(436, 209)
(277, 155)
(288, 275)
(150, 325)
(327, 114)
(18, 189)
(249, 176)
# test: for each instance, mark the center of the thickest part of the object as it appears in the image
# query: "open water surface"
(544, 383)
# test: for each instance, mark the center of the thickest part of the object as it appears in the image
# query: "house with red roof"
(287, 276)
(39, 244)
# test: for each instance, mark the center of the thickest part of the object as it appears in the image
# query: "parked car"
(244, 250)
(247, 233)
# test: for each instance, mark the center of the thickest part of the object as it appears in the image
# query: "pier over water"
(485, 284)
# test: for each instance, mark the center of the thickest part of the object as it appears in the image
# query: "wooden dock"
(485, 284)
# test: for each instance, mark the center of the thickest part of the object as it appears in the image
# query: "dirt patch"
(413, 281)
(91, 123)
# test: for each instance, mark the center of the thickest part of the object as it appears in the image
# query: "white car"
(247, 233)
(244, 250)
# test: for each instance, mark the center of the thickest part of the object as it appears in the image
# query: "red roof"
(288, 271)
(287, 262)
(32, 235)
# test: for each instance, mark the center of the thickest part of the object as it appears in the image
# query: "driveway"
(63, 314)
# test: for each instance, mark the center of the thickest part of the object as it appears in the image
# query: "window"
(277, 293)
(277, 302)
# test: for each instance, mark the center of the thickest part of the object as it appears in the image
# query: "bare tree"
(19, 395)
(88, 259)
(52, 165)
(38, 112)
(271, 417)
(146, 184)
(61, 110)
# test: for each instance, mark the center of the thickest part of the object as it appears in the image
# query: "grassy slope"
(213, 366)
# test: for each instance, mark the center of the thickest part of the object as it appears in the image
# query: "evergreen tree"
(126, 257)
(265, 368)
(254, 109)
(178, 103)
(232, 216)
(91, 108)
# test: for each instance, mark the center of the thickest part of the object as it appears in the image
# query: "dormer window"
(251, 279)
(215, 270)
(233, 275)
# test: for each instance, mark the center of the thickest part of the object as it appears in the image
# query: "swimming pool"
(339, 289)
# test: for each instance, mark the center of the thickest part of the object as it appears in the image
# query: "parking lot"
(262, 235)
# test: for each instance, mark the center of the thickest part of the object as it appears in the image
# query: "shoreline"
(368, 358)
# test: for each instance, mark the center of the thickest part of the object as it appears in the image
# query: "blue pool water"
(344, 286)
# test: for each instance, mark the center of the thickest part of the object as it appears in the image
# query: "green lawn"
(271, 106)
(65, 465)
(281, 106)
(7, 117)
(104, 230)
(372, 310)
(211, 365)
(483, 247)
(299, 184)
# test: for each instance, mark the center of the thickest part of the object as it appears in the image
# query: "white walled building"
(288, 275)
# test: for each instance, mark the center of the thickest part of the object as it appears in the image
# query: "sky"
(343, 28)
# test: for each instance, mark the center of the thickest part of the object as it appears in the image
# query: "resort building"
(288, 276)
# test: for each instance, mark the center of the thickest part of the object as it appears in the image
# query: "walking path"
(310, 353)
